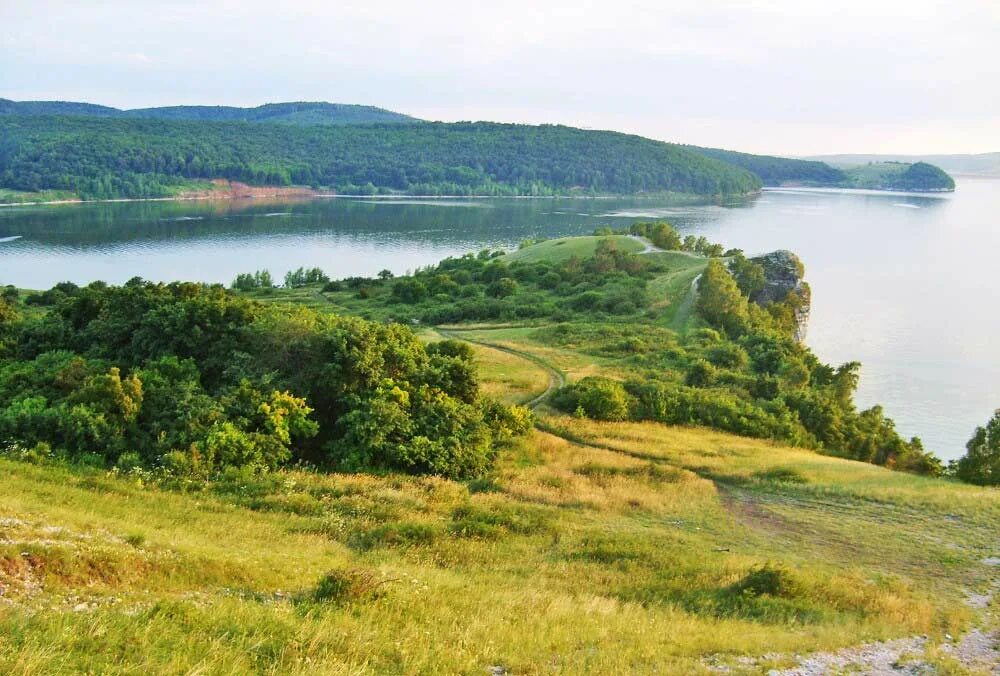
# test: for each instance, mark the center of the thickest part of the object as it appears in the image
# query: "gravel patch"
(878, 659)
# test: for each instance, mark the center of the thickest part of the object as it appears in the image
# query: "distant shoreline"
(306, 194)
(222, 196)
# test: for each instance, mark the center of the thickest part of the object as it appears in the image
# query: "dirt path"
(650, 248)
(557, 378)
(686, 306)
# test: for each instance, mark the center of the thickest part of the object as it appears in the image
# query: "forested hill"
(778, 171)
(298, 112)
(919, 176)
(105, 157)
(774, 171)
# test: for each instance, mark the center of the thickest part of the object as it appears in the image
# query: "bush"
(701, 374)
(598, 398)
(398, 534)
(664, 236)
(766, 580)
(494, 520)
(981, 462)
(502, 288)
(347, 586)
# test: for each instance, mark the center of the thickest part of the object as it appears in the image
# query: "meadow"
(590, 547)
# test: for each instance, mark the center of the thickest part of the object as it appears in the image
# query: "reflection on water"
(903, 283)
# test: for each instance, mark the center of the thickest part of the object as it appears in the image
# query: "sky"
(792, 77)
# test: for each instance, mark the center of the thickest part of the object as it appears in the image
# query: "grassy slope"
(602, 561)
(559, 250)
(603, 547)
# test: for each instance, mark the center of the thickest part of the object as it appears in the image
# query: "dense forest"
(899, 176)
(775, 171)
(110, 157)
(99, 152)
(297, 112)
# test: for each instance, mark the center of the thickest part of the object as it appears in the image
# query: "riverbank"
(241, 191)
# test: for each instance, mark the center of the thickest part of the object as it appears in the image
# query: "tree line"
(112, 157)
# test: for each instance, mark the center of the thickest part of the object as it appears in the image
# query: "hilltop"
(297, 112)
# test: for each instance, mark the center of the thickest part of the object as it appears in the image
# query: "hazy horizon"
(781, 78)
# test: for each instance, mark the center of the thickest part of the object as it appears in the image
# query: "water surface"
(906, 284)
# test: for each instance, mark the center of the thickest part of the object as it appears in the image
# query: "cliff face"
(783, 274)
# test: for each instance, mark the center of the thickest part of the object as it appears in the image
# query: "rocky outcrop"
(783, 281)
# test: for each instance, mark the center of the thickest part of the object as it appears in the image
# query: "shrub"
(494, 520)
(766, 580)
(599, 398)
(398, 534)
(502, 288)
(701, 374)
(348, 586)
(728, 356)
(981, 462)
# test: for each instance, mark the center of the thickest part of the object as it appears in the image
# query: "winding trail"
(557, 378)
(650, 247)
(686, 306)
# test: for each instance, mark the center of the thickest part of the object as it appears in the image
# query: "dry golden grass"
(571, 559)
(509, 378)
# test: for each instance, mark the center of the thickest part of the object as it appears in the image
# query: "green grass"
(573, 558)
(558, 250)
(673, 292)
(593, 547)
(633, 552)
(507, 377)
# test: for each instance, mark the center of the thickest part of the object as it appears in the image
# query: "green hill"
(982, 164)
(298, 112)
(8, 107)
(899, 176)
(783, 171)
(99, 157)
(110, 158)
(774, 171)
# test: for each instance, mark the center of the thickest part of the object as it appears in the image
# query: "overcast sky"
(776, 76)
